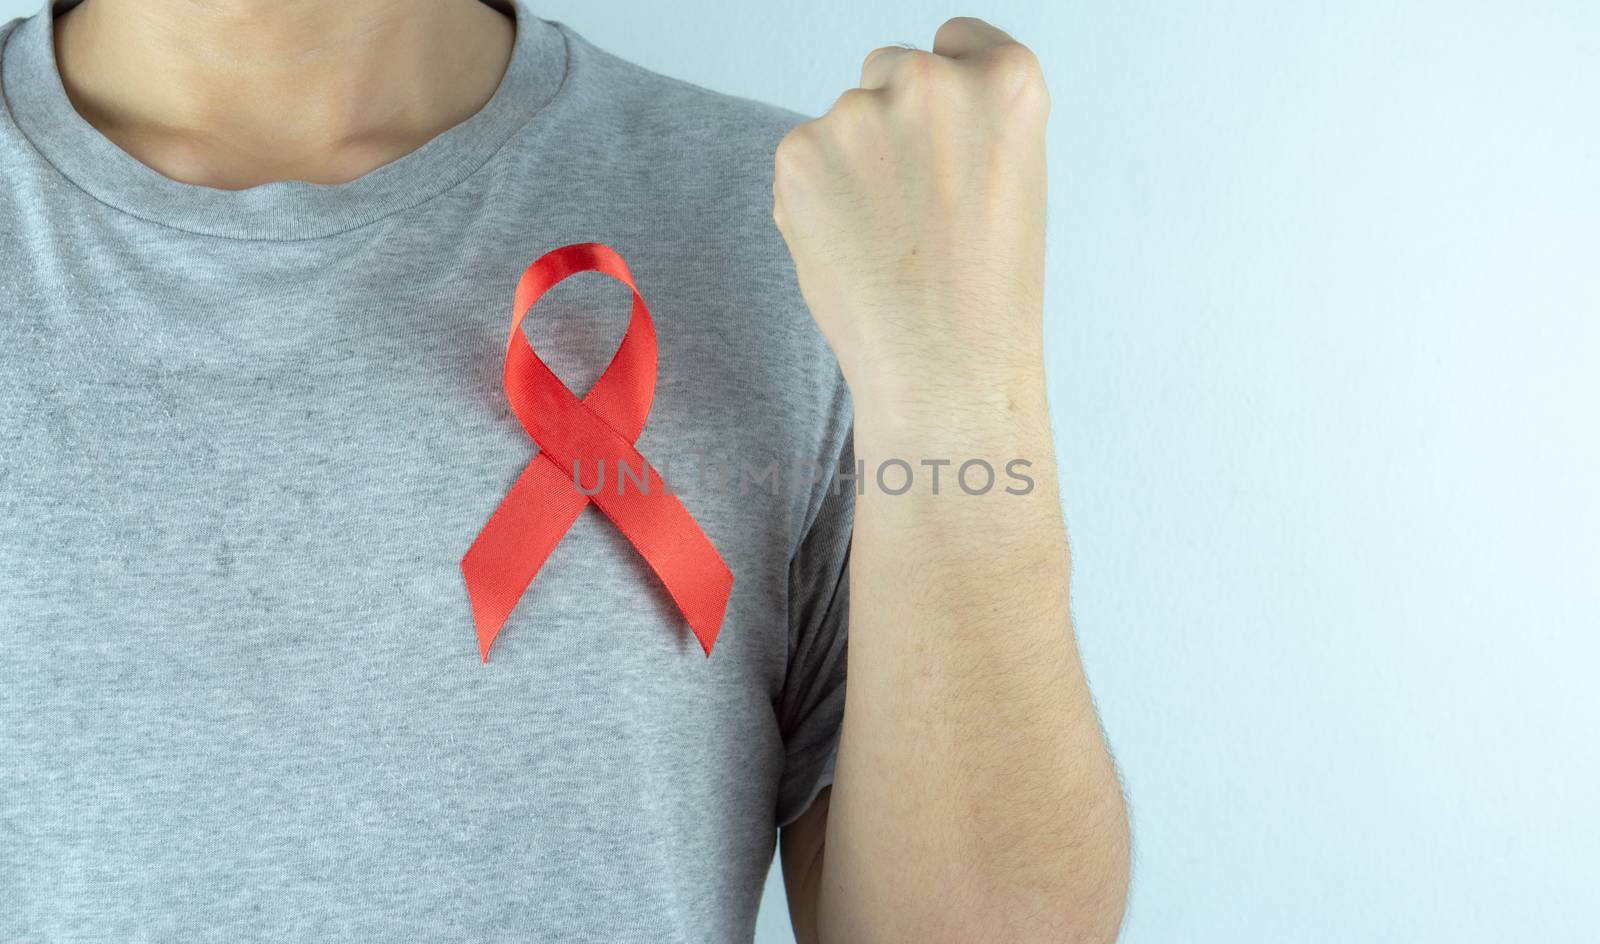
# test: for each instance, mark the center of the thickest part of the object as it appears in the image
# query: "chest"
(203, 492)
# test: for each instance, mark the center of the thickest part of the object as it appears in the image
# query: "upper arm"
(800, 847)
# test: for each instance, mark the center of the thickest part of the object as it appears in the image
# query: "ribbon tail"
(666, 535)
(711, 604)
(513, 545)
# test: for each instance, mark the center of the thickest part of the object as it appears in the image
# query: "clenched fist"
(915, 212)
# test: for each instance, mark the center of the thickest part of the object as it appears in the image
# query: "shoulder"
(687, 133)
(645, 90)
(13, 146)
(685, 173)
(6, 28)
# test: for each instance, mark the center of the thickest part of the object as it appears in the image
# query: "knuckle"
(852, 102)
(792, 148)
(958, 24)
(853, 111)
(1015, 58)
(920, 64)
(918, 72)
(1016, 74)
(880, 51)
(797, 139)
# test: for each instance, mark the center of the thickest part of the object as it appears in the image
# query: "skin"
(974, 798)
(235, 93)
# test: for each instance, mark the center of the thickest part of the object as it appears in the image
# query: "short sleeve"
(811, 707)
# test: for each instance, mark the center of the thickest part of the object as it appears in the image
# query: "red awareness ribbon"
(600, 428)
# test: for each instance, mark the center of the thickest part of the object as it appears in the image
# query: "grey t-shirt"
(246, 438)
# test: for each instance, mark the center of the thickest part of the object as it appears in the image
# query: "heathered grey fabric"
(245, 438)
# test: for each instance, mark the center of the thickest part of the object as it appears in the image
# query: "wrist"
(956, 405)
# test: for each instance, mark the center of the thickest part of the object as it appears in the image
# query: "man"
(259, 261)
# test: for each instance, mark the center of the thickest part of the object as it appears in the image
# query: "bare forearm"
(974, 798)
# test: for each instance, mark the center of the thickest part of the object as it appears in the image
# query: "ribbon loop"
(598, 431)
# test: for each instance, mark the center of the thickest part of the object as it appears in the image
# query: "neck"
(235, 93)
